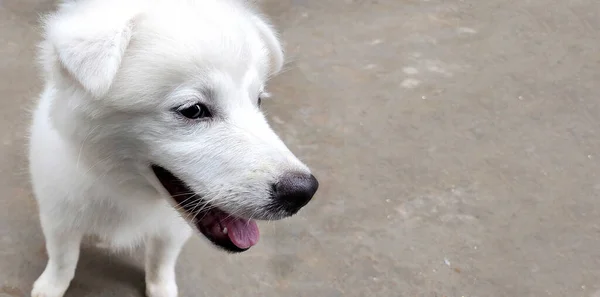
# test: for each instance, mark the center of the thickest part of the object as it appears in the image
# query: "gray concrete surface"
(457, 143)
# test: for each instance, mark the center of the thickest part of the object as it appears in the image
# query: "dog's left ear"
(88, 52)
(271, 40)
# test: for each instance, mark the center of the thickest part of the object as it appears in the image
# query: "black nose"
(294, 190)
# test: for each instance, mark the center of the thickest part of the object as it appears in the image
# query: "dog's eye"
(196, 111)
(259, 101)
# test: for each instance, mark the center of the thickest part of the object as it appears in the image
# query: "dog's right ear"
(271, 40)
(86, 48)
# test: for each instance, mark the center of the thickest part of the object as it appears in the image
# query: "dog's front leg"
(63, 253)
(161, 256)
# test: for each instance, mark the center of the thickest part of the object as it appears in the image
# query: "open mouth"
(227, 231)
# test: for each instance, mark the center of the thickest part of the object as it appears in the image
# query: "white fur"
(114, 70)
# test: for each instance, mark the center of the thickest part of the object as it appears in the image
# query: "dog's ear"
(86, 48)
(271, 40)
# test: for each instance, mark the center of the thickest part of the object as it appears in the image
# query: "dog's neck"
(108, 154)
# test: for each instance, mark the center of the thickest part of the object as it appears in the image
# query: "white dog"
(150, 126)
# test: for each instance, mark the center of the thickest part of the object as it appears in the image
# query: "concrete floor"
(457, 143)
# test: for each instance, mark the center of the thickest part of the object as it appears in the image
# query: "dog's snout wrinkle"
(294, 190)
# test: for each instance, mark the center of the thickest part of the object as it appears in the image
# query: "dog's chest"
(121, 213)
(123, 224)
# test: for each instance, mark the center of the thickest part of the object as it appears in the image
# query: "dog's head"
(175, 87)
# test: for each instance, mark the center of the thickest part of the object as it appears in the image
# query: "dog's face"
(179, 88)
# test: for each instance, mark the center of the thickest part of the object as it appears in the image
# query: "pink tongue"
(242, 233)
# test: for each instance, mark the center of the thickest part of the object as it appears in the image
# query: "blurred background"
(457, 143)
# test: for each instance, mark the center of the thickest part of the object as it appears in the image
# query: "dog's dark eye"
(259, 101)
(196, 111)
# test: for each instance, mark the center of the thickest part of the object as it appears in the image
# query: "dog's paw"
(44, 287)
(163, 289)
